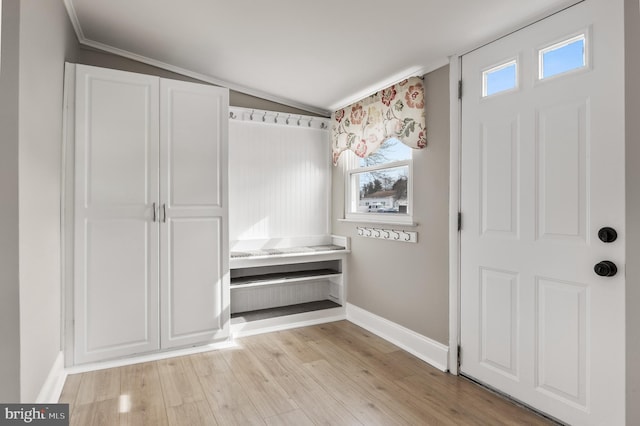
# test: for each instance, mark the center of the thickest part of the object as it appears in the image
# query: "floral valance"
(395, 112)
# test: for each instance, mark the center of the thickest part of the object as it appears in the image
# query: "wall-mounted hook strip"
(387, 234)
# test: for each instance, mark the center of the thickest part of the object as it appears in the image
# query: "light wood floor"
(331, 374)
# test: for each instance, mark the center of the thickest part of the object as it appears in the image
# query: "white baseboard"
(428, 350)
(155, 356)
(52, 387)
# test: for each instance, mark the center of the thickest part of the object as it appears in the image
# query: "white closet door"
(116, 240)
(194, 230)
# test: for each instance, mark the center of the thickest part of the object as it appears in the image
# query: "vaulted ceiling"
(315, 55)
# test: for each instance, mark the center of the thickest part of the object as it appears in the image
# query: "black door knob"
(607, 235)
(606, 268)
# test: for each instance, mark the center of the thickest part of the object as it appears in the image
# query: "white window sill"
(380, 221)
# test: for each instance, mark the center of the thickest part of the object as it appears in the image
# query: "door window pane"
(562, 57)
(499, 79)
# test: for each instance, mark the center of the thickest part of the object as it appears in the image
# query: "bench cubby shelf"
(293, 284)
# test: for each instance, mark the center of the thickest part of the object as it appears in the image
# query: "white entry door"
(542, 174)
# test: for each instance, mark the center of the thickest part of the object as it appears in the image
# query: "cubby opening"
(270, 291)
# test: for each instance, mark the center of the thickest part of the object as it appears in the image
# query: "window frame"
(515, 61)
(352, 168)
(560, 42)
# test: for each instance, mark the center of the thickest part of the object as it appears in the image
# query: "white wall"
(46, 40)
(279, 183)
(632, 119)
(9, 264)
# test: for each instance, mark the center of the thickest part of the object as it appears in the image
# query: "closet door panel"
(194, 234)
(117, 282)
(194, 284)
(194, 148)
(116, 241)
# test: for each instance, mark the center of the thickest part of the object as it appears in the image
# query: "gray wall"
(99, 58)
(632, 119)
(47, 39)
(403, 282)
(9, 264)
(37, 37)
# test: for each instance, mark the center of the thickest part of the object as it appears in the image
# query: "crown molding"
(83, 40)
(389, 81)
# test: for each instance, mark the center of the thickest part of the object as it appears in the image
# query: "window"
(379, 187)
(500, 79)
(560, 58)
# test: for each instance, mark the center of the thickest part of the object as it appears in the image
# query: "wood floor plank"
(361, 404)
(179, 383)
(196, 413)
(333, 374)
(295, 347)
(141, 397)
(365, 336)
(98, 386)
(370, 355)
(229, 402)
(264, 392)
(320, 406)
(292, 418)
(105, 413)
(82, 415)
(378, 385)
(70, 390)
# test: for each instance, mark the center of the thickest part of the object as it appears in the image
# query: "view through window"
(380, 184)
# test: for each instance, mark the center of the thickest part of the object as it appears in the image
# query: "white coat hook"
(288, 118)
(275, 120)
(264, 117)
(251, 115)
(310, 120)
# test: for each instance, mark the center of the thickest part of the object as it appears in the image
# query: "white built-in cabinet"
(150, 234)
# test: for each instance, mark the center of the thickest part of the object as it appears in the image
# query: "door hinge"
(459, 221)
(459, 356)
(459, 89)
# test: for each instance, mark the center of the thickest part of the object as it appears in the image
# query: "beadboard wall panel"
(279, 183)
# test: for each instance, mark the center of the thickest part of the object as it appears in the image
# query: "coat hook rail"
(387, 234)
(279, 118)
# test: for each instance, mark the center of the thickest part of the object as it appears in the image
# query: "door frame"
(455, 180)
(67, 202)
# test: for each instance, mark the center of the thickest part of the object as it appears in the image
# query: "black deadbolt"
(606, 268)
(607, 235)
